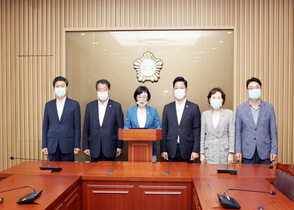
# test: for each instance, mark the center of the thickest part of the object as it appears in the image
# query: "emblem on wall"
(148, 67)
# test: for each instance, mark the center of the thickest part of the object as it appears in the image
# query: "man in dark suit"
(61, 125)
(256, 131)
(181, 126)
(103, 117)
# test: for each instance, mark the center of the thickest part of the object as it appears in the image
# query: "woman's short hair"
(140, 90)
(213, 91)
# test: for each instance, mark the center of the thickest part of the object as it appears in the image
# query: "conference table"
(140, 185)
(207, 189)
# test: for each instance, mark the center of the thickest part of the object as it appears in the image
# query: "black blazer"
(188, 130)
(66, 131)
(106, 135)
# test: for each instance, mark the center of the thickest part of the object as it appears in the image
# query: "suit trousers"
(102, 157)
(58, 156)
(255, 159)
(178, 157)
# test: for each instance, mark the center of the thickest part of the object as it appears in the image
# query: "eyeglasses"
(256, 87)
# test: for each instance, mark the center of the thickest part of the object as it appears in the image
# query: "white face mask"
(216, 104)
(142, 105)
(179, 93)
(254, 94)
(102, 96)
(60, 92)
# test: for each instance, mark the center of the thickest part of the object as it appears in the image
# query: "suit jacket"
(106, 135)
(216, 143)
(66, 132)
(152, 121)
(262, 135)
(188, 130)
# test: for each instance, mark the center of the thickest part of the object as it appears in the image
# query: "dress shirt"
(141, 118)
(102, 110)
(215, 120)
(180, 110)
(255, 112)
(60, 106)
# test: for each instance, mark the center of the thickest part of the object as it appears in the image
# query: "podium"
(139, 143)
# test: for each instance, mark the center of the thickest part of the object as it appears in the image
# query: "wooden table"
(58, 191)
(139, 171)
(137, 185)
(140, 185)
(244, 171)
(205, 192)
(32, 167)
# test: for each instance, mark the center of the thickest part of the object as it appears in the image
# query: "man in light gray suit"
(256, 131)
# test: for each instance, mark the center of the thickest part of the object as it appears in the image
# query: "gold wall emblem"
(148, 67)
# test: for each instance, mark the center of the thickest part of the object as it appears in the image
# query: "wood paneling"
(33, 52)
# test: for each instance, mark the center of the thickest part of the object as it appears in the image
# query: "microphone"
(260, 208)
(28, 198)
(167, 169)
(227, 170)
(270, 192)
(270, 166)
(231, 203)
(53, 169)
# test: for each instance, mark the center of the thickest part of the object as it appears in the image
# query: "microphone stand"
(49, 167)
(270, 192)
(110, 169)
(231, 203)
(167, 169)
(52, 169)
(270, 166)
(28, 198)
(227, 170)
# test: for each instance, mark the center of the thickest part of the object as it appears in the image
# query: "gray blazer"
(262, 135)
(216, 143)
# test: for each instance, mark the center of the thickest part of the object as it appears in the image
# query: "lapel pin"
(109, 105)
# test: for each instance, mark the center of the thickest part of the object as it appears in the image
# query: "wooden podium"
(139, 142)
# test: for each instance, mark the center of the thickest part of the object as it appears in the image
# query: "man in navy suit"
(256, 132)
(181, 126)
(61, 125)
(103, 117)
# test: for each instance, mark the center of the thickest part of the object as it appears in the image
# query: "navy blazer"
(262, 135)
(66, 132)
(188, 130)
(106, 135)
(152, 121)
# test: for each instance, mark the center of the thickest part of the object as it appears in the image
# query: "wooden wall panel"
(265, 50)
(32, 54)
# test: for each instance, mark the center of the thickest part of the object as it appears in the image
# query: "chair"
(284, 179)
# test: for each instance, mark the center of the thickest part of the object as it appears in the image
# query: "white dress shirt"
(180, 110)
(141, 116)
(60, 106)
(102, 110)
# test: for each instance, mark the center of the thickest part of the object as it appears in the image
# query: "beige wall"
(204, 57)
(32, 44)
